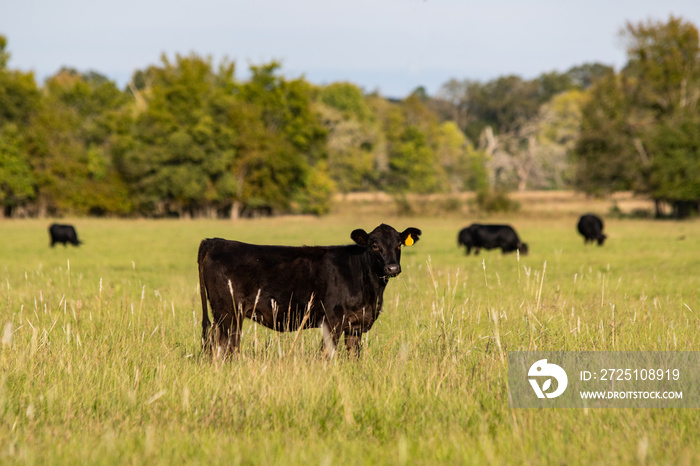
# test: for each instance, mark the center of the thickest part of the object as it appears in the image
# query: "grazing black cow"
(63, 234)
(591, 227)
(286, 288)
(490, 237)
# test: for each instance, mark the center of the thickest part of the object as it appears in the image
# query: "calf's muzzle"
(392, 269)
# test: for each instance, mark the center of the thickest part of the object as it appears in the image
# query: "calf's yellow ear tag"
(409, 240)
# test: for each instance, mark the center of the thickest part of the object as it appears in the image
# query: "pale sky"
(389, 46)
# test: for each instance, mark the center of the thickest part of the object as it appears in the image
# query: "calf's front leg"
(353, 342)
(329, 340)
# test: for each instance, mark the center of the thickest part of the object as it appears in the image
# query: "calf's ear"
(410, 236)
(360, 236)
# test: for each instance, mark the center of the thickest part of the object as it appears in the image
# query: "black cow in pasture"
(286, 288)
(63, 234)
(490, 237)
(591, 227)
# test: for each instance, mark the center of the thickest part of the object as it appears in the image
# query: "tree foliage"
(19, 98)
(69, 139)
(17, 183)
(178, 144)
(411, 132)
(355, 145)
(204, 143)
(186, 138)
(640, 126)
(514, 121)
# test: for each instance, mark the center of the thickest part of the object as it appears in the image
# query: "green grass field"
(101, 364)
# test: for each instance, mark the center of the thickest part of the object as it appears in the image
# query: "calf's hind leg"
(227, 321)
(227, 334)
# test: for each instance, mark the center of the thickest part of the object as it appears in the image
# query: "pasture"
(101, 364)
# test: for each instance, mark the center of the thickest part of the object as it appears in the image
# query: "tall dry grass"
(101, 361)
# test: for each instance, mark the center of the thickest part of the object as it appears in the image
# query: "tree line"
(186, 138)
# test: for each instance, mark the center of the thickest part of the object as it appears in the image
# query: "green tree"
(285, 106)
(68, 145)
(504, 104)
(282, 140)
(463, 165)
(559, 129)
(664, 61)
(654, 99)
(583, 76)
(17, 183)
(19, 101)
(411, 167)
(674, 171)
(348, 99)
(411, 131)
(19, 95)
(605, 157)
(178, 153)
(354, 137)
(319, 188)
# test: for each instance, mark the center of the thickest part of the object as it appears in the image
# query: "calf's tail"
(201, 257)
